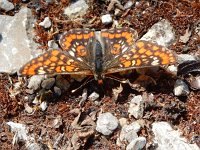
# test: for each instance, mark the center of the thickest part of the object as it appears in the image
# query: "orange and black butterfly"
(87, 52)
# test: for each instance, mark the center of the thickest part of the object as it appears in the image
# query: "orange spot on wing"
(138, 62)
(73, 36)
(116, 49)
(104, 34)
(127, 64)
(47, 62)
(155, 48)
(60, 63)
(124, 34)
(79, 36)
(165, 60)
(157, 53)
(140, 44)
(67, 45)
(58, 69)
(69, 68)
(41, 58)
(81, 50)
(86, 36)
(53, 58)
(148, 53)
(142, 50)
(117, 35)
(55, 52)
(111, 36)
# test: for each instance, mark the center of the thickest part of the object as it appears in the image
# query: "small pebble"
(35, 81)
(181, 88)
(195, 83)
(48, 83)
(129, 132)
(128, 5)
(123, 121)
(28, 109)
(76, 9)
(46, 23)
(137, 144)
(106, 123)
(43, 106)
(94, 96)
(52, 44)
(106, 19)
(57, 91)
(136, 107)
(62, 83)
(6, 5)
(185, 57)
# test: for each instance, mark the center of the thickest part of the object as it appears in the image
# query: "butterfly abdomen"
(98, 60)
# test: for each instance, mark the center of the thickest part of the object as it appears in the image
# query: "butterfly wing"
(116, 41)
(54, 62)
(143, 54)
(79, 44)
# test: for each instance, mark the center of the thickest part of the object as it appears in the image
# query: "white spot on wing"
(71, 53)
(80, 59)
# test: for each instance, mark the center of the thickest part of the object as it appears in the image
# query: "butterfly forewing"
(79, 43)
(53, 62)
(117, 41)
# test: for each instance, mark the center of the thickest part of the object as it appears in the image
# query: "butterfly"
(86, 52)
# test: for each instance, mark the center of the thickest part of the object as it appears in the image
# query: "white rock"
(28, 109)
(6, 5)
(137, 144)
(186, 57)
(129, 132)
(128, 4)
(123, 121)
(136, 107)
(35, 82)
(43, 106)
(162, 33)
(181, 88)
(21, 134)
(52, 44)
(94, 96)
(106, 123)
(106, 19)
(46, 23)
(166, 138)
(17, 40)
(77, 9)
(172, 69)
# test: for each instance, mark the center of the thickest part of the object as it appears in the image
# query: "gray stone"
(43, 105)
(186, 57)
(166, 138)
(128, 5)
(52, 44)
(35, 82)
(17, 43)
(62, 83)
(161, 33)
(129, 132)
(6, 5)
(57, 90)
(181, 88)
(76, 9)
(106, 123)
(137, 144)
(94, 96)
(195, 83)
(48, 83)
(106, 19)
(46, 23)
(136, 107)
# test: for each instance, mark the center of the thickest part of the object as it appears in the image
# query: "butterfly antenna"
(117, 79)
(86, 82)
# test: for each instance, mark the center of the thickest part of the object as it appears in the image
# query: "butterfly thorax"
(98, 61)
